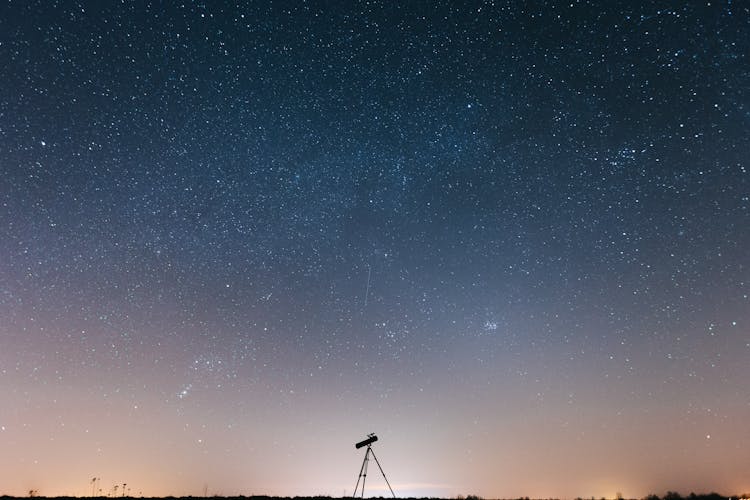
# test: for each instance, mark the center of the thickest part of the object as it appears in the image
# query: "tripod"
(363, 473)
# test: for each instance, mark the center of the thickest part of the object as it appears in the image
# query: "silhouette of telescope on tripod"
(371, 438)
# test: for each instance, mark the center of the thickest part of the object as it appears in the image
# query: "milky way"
(509, 239)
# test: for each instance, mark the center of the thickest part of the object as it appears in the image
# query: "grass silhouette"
(670, 495)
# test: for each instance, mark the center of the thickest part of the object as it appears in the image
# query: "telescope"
(371, 438)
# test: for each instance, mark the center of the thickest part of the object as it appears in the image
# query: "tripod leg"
(381, 471)
(362, 475)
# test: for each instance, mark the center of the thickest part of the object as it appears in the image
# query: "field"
(668, 496)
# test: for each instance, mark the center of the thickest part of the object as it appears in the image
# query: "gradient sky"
(512, 240)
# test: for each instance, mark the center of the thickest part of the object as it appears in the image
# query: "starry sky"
(510, 238)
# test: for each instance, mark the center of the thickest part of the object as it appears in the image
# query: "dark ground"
(668, 496)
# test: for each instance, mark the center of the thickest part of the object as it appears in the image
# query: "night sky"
(510, 239)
